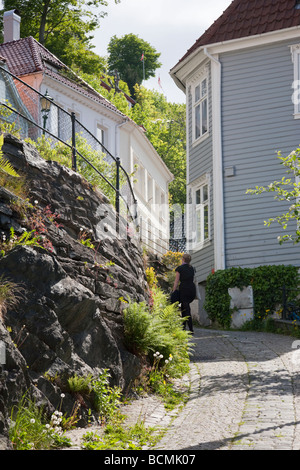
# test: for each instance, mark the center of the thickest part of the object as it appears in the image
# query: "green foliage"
(65, 27)
(106, 398)
(117, 437)
(30, 429)
(80, 384)
(267, 283)
(8, 124)
(26, 239)
(125, 55)
(5, 165)
(287, 190)
(62, 154)
(148, 330)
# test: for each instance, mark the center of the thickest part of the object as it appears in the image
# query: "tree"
(286, 190)
(135, 59)
(64, 26)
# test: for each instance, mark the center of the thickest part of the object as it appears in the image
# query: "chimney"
(11, 25)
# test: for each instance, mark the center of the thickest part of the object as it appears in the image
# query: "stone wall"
(69, 316)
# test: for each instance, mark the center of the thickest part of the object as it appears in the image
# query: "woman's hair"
(187, 258)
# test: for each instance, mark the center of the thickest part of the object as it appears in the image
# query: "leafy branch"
(286, 190)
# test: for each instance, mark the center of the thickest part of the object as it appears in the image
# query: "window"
(101, 135)
(150, 188)
(201, 213)
(296, 83)
(139, 183)
(200, 101)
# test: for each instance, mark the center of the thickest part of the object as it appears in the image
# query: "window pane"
(205, 222)
(198, 196)
(197, 121)
(205, 193)
(204, 88)
(197, 93)
(204, 117)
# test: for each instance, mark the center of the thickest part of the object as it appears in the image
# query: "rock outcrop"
(68, 317)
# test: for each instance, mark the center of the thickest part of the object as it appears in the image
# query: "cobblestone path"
(245, 394)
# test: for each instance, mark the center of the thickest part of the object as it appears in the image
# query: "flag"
(142, 58)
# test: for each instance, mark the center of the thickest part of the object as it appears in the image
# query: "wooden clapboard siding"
(257, 122)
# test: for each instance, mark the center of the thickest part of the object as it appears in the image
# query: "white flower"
(166, 361)
(32, 421)
(47, 426)
(62, 395)
(36, 202)
(161, 356)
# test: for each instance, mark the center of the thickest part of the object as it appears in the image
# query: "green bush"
(267, 283)
(157, 328)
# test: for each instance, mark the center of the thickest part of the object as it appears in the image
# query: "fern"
(4, 164)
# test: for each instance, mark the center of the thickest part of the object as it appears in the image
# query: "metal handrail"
(75, 151)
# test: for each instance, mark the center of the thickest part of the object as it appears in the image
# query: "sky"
(170, 26)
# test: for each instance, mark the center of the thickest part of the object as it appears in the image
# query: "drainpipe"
(218, 184)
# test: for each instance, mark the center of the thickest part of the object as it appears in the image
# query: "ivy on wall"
(267, 283)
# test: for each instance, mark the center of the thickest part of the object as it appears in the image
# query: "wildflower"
(36, 202)
(62, 395)
(166, 361)
(32, 421)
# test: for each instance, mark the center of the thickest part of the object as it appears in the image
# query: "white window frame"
(200, 102)
(201, 204)
(295, 51)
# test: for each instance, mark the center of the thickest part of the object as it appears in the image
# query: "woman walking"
(187, 290)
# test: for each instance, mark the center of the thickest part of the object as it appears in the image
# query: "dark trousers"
(186, 312)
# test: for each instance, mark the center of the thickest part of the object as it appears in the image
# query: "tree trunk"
(43, 21)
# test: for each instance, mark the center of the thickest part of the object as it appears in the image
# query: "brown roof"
(244, 18)
(26, 56)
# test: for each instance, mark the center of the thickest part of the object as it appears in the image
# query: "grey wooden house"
(238, 78)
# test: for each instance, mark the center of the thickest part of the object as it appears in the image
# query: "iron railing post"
(73, 121)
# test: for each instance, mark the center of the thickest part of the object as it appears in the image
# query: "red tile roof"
(244, 18)
(26, 56)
